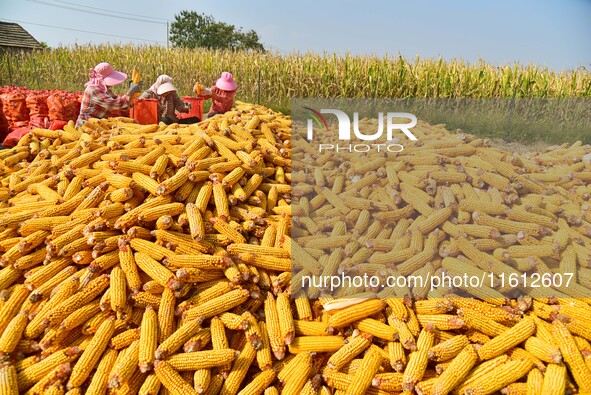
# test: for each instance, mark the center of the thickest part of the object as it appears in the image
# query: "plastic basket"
(196, 108)
(145, 111)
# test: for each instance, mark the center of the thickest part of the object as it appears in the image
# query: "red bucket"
(145, 111)
(196, 108)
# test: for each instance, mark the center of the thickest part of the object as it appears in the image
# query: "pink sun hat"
(226, 82)
(110, 76)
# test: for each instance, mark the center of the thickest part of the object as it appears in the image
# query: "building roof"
(13, 35)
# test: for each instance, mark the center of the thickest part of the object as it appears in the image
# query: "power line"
(117, 12)
(94, 12)
(84, 31)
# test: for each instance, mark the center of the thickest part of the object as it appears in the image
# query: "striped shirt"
(224, 101)
(99, 104)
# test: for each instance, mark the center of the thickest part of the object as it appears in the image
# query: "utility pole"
(167, 34)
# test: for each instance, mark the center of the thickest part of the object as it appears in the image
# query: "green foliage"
(193, 30)
(311, 75)
(305, 75)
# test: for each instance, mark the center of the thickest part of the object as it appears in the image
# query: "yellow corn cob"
(80, 316)
(554, 379)
(124, 339)
(535, 380)
(152, 214)
(217, 305)
(296, 378)
(135, 76)
(264, 359)
(30, 375)
(166, 315)
(276, 339)
(498, 378)
(417, 361)
(175, 340)
(448, 349)
(201, 359)
(377, 329)
(201, 380)
(171, 379)
(388, 381)
(542, 350)
(156, 271)
(125, 366)
(571, 355)
(82, 297)
(441, 321)
(456, 371)
(354, 313)
(252, 331)
(118, 290)
(311, 328)
(239, 370)
(316, 344)
(148, 339)
(508, 339)
(91, 354)
(348, 352)
(199, 341)
(285, 316)
(8, 380)
(13, 332)
(259, 383)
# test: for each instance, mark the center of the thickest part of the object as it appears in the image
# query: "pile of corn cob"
(147, 259)
(449, 203)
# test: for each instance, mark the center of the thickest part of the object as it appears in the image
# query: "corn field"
(273, 79)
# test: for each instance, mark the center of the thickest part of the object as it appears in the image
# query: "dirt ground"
(522, 148)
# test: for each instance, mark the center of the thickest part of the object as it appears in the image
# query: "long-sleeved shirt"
(167, 104)
(99, 104)
(223, 101)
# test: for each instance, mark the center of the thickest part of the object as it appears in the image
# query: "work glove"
(134, 89)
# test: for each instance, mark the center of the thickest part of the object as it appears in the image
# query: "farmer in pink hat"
(98, 100)
(222, 94)
(168, 101)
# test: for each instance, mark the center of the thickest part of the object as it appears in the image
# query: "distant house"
(14, 38)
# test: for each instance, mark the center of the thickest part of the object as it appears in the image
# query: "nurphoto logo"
(393, 126)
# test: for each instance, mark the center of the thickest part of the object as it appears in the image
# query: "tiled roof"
(13, 35)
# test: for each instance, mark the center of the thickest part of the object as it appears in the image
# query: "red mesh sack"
(57, 124)
(15, 109)
(37, 104)
(3, 124)
(63, 106)
(38, 110)
(13, 137)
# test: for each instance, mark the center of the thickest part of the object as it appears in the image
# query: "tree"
(193, 30)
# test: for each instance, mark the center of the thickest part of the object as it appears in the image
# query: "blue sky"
(552, 33)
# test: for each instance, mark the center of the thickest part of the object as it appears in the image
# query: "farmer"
(168, 101)
(222, 94)
(98, 100)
